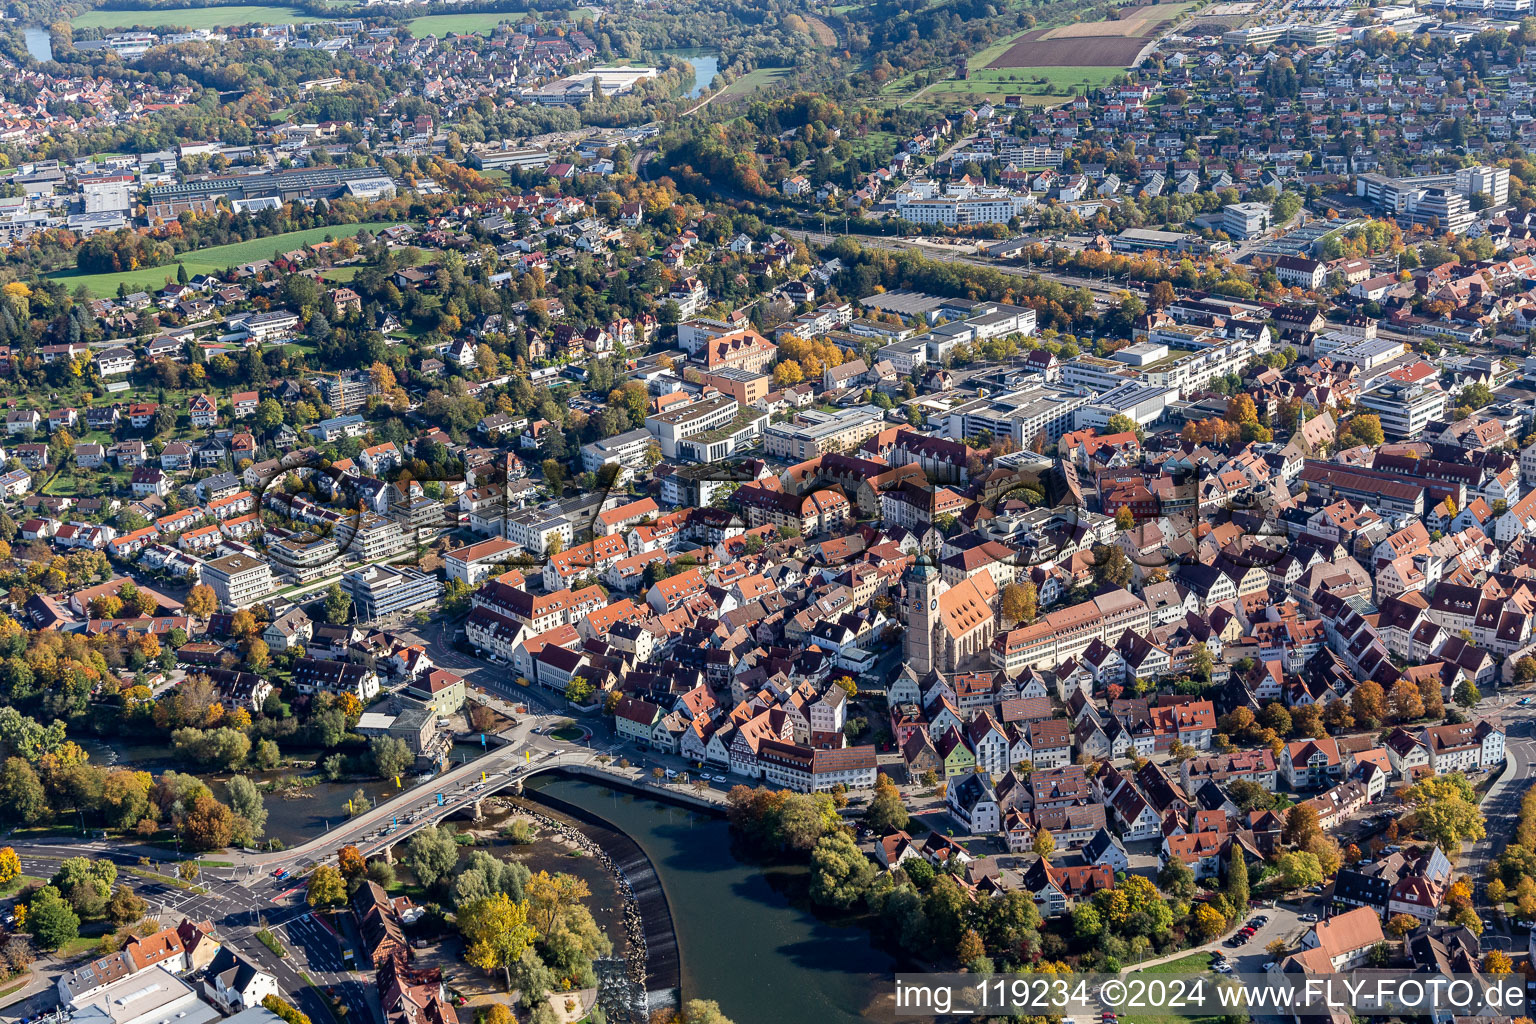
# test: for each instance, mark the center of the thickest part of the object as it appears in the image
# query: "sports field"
(443, 25)
(207, 261)
(194, 17)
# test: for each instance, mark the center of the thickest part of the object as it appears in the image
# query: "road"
(237, 912)
(1501, 808)
(957, 254)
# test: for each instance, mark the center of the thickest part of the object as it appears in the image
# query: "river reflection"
(747, 938)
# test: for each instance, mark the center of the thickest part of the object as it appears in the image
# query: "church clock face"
(934, 605)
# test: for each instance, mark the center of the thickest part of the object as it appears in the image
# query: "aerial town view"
(767, 511)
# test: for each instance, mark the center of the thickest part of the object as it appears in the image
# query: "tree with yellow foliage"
(497, 932)
(550, 897)
(1497, 962)
(10, 865)
(787, 374)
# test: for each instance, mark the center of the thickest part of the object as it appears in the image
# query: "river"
(744, 942)
(39, 43)
(295, 818)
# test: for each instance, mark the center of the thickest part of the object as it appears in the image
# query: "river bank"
(745, 934)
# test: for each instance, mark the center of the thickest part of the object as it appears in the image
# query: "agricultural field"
(207, 261)
(194, 17)
(821, 31)
(442, 25)
(1114, 43)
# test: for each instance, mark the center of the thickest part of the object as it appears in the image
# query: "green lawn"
(878, 144)
(441, 25)
(194, 17)
(78, 947)
(208, 261)
(752, 81)
(20, 882)
(1037, 86)
(1191, 964)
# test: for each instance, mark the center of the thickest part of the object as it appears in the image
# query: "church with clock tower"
(947, 626)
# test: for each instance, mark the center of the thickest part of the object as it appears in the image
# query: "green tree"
(1110, 566)
(285, 1010)
(1087, 925)
(431, 854)
(1120, 423)
(51, 921)
(1445, 810)
(390, 755)
(1176, 879)
(1300, 870)
(840, 872)
(886, 813)
(1467, 694)
(22, 798)
(246, 802)
(326, 887)
(1236, 886)
(269, 415)
(1201, 664)
(338, 606)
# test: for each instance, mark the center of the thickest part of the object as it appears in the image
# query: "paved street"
(237, 911)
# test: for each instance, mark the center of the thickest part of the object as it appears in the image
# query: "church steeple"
(922, 582)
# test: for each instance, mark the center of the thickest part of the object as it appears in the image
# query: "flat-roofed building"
(238, 580)
(748, 387)
(814, 433)
(381, 590)
(1021, 415)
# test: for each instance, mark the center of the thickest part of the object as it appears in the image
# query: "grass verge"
(325, 1000)
(171, 880)
(271, 942)
(1191, 964)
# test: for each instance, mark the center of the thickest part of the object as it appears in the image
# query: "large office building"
(706, 430)
(1245, 220)
(627, 450)
(238, 580)
(1023, 415)
(1440, 201)
(1405, 409)
(380, 590)
(814, 433)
